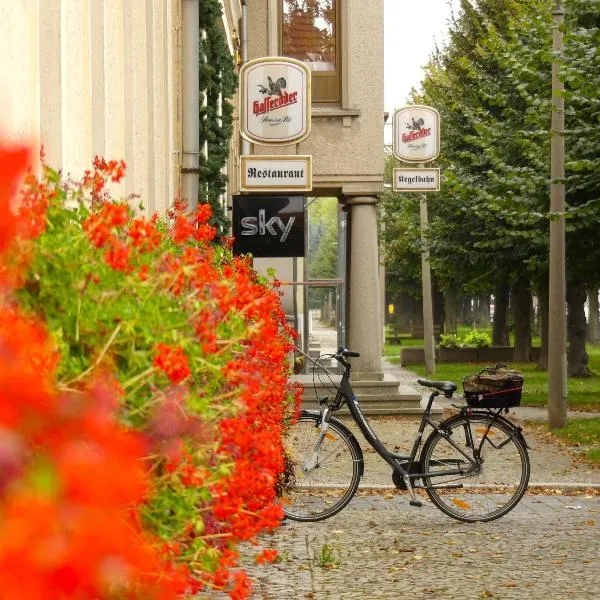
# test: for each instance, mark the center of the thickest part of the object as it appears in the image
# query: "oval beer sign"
(416, 136)
(275, 101)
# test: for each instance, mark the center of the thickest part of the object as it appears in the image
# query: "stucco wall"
(346, 142)
(85, 77)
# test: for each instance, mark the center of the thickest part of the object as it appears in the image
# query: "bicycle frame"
(403, 464)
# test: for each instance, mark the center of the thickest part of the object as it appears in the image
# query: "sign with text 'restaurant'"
(275, 173)
(274, 100)
(416, 136)
(268, 226)
(416, 180)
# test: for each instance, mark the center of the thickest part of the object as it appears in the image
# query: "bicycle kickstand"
(413, 498)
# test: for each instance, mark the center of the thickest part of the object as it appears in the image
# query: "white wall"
(86, 77)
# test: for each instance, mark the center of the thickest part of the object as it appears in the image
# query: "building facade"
(342, 43)
(116, 78)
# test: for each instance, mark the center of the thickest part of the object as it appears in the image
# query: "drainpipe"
(191, 101)
(245, 148)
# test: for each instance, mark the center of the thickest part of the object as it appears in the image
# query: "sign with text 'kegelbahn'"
(275, 173)
(416, 134)
(275, 100)
(268, 226)
(416, 180)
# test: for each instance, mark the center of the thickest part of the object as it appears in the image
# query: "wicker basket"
(493, 387)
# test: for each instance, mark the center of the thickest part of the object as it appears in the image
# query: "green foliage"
(476, 339)
(218, 83)
(491, 84)
(584, 392)
(327, 557)
(583, 435)
(449, 340)
(323, 238)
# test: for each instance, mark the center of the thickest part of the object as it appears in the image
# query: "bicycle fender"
(518, 430)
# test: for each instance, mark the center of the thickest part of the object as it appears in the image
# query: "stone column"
(50, 82)
(364, 302)
(114, 89)
(76, 103)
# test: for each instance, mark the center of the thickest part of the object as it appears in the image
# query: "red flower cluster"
(173, 362)
(234, 324)
(71, 478)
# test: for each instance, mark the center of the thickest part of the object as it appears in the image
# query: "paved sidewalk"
(547, 548)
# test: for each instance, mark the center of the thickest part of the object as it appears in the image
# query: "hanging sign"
(416, 180)
(275, 173)
(416, 136)
(268, 226)
(275, 101)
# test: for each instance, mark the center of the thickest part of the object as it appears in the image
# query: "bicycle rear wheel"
(493, 458)
(322, 471)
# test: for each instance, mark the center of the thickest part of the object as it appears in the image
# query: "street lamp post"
(557, 346)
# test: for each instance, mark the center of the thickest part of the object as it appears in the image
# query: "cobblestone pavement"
(547, 547)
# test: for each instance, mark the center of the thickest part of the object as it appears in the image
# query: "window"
(310, 33)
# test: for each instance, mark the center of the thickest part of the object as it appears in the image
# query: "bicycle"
(474, 465)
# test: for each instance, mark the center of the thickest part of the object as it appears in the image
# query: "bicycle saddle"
(446, 387)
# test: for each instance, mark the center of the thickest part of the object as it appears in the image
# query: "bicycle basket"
(493, 387)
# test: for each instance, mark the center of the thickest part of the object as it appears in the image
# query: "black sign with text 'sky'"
(268, 226)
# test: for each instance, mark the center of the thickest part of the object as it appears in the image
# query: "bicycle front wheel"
(478, 467)
(323, 469)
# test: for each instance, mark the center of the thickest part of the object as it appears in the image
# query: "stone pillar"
(114, 88)
(364, 302)
(50, 82)
(76, 103)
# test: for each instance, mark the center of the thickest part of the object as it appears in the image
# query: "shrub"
(197, 345)
(449, 340)
(477, 339)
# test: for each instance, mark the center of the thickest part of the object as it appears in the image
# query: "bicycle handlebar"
(343, 353)
(347, 353)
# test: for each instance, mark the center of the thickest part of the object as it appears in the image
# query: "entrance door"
(313, 287)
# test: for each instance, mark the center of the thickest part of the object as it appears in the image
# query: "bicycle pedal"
(417, 503)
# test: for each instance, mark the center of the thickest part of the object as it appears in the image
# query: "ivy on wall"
(218, 83)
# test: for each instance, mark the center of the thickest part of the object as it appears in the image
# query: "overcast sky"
(411, 30)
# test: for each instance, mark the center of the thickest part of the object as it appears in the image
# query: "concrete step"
(386, 397)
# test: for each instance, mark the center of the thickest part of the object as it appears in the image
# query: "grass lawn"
(583, 392)
(584, 433)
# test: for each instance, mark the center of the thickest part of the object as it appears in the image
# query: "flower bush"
(162, 364)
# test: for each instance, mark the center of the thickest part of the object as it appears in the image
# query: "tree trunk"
(500, 322)
(543, 314)
(466, 311)
(521, 311)
(577, 357)
(482, 311)
(438, 312)
(451, 311)
(594, 317)
(417, 326)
